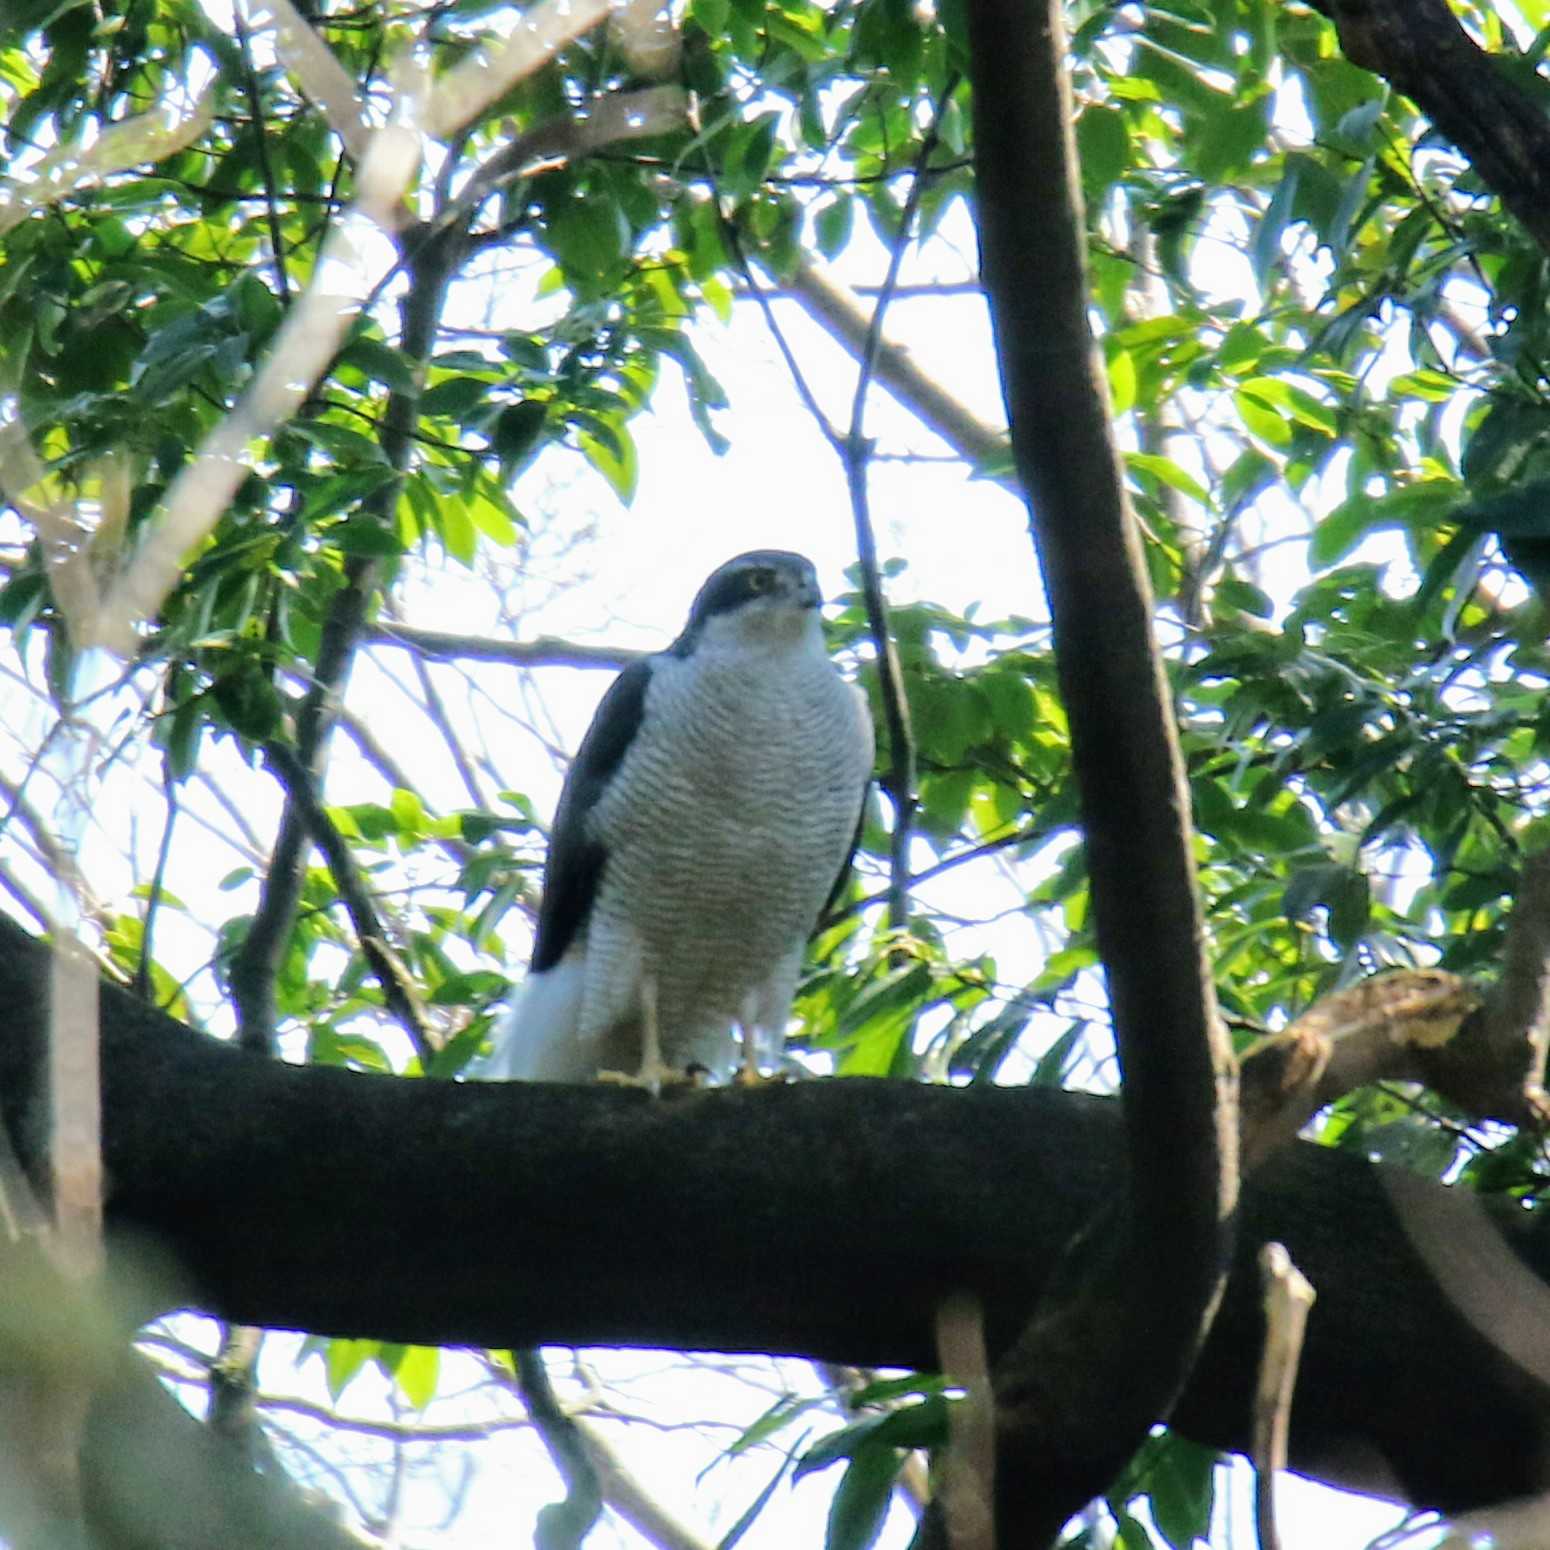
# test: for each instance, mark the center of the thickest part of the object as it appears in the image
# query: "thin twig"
(395, 776)
(809, 399)
(250, 849)
(142, 983)
(436, 712)
(1022, 836)
(855, 451)
(561, 1525)
(50, 853)
(261, 140)
(397, 984)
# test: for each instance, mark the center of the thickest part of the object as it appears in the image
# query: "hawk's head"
(766, 595)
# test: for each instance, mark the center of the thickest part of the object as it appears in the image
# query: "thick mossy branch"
(826, 1219)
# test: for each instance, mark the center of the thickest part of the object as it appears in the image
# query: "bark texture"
(826, 1220)
(1488, 112)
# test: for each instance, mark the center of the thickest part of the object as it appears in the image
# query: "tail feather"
(536, 1041)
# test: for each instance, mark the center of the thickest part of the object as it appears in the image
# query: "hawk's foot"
(749, 1075)
(654, 1076)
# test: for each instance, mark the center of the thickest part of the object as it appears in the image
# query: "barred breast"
(726, 827)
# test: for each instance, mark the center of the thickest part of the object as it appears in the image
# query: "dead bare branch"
(1288, 1297)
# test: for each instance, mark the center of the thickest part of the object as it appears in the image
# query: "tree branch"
(396, 982)
(282, 282)
(1100, 1366)
(1497, 1067)
(855, 452)
(546, 651)
(1485, 1053)
(564, 1524)
(149, 1473)
(704, 1231)
(1421, 49)
(625, 1496)
(834, 309)
(431, 263)
(155, 1476)
(1288, 1298)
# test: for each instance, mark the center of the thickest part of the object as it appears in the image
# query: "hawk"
(710, 813)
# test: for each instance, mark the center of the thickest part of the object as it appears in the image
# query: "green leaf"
(1228, 138)
(364, 535)
(408, 813)
(1263, 420)
(180, 737)
(1425, 502)
(342, 1361)
(492, 514)
(1459, 557)
(785, 1410)
(1012, 704)
(1242, 348)
(517, 431)
(1131, 1533)
(1181, 1486)
(1103, 146)
(455, 524)
(456, 397)
(1122, 380)
(415, 1369)
(745, 1519)
(860, 1504)
(1243, 595)
(613, 456)
(379, 362)
(162, 378)
(833, 225)
(1265, 248)
(1340, 890)
(248, 702)
(922, 1425)
(1294, 402)
(1054, 1062)
(21, 599)
(1431, 386)
(590, 237)
(1169, 472)
(712, 15)
(758, 151)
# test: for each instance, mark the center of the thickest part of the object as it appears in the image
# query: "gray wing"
(576, 859)
(837, 892)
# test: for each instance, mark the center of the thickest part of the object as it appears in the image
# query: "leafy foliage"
(1326, 346)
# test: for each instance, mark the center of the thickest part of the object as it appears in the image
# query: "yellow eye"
(760, 581)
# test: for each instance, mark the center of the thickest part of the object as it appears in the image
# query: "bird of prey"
(710, 813)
